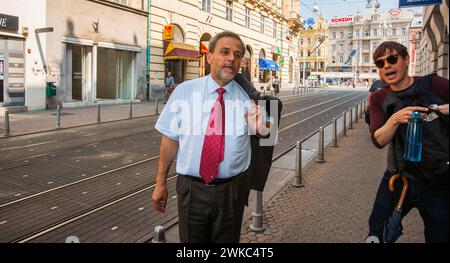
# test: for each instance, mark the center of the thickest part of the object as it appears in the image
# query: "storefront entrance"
(12, 72)
(114, 74)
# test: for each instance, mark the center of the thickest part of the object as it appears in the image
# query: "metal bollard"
(159, 235)
(335, 133)
(58, 117)
(298, 166)
(350, 125)
(156, 106)
(344, 120)
(130, 115)
(361, 112)
(293, 91)
(320, 155)
(257, 216)
(372, 239)
(7, 123)
(98, 113)
(356, 113)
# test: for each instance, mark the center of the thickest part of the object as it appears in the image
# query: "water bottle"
(413, 143)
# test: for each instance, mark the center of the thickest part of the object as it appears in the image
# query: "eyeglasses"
(393, 59)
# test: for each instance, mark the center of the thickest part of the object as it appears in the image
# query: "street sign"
(345, 19)
(310, 21)
(404, 3)
(168, 32)
(395, 11)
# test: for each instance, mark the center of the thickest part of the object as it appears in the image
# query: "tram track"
(147, 187)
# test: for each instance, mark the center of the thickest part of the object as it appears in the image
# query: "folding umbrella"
(393, 226)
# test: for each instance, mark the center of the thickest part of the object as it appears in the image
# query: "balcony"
(295, 22)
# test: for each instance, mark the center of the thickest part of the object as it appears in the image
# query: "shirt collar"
(212, 86)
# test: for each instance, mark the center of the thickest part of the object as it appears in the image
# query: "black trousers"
(211, 213)
(432, 205)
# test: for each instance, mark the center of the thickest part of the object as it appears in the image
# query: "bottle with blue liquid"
(413, 143)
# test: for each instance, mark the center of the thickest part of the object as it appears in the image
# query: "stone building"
(433, 46)
(353, 40)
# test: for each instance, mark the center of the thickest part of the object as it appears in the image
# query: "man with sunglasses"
(392, 60)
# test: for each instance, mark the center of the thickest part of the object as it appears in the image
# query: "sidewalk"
(44, 120)
(335, 203)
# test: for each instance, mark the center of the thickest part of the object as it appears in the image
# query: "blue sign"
(310, 21)
(403, 3)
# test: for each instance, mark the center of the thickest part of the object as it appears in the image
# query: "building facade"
(353, 40)
(433, 46)
(180, 39)
(73, 53)
(313, 47)
(22, 82)
(415, 34)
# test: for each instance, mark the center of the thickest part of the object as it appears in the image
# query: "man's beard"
(226, 77)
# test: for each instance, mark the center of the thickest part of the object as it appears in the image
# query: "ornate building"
(313, 47)
(353, 40)
(269, 30)
(433, 50)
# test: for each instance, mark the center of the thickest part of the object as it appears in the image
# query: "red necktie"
(214, 143)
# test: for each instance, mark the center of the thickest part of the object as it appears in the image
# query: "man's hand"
(167, 155)
(404, 115)
(443, 109)
(385, 134)
(159, 198)
(256, 119)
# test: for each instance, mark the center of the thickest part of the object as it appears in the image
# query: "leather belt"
(217, 181)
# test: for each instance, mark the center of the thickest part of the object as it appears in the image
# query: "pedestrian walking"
(276, 85)
(391, 109)
(169, 83)
(214, 160)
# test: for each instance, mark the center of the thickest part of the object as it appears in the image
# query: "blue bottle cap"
(415, 115)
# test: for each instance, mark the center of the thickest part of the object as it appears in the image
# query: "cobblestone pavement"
(336, 201)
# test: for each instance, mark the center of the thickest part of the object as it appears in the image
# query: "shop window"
(114, 74)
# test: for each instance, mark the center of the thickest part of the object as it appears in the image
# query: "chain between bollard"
(257, 216)
(98, 113)
(320, 156)
(298, 166)
(58, 117)
(7, 128)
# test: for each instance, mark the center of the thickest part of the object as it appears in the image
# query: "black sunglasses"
(393, 59)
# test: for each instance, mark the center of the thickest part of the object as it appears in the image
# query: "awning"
(177, 50)
(267, 64)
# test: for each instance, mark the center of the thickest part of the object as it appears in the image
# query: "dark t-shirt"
(377, 85)
(378, 118)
